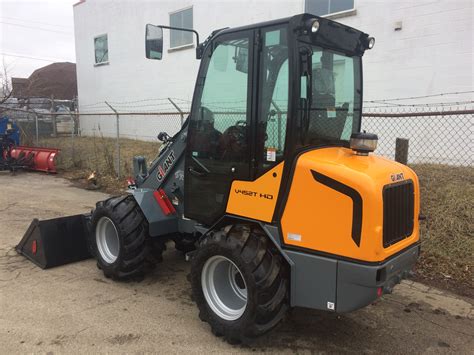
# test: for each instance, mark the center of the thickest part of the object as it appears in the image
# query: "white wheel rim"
(224, 288)
(107, 240)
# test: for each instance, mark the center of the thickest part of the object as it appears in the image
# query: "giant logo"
(165, 167)
(397, 177)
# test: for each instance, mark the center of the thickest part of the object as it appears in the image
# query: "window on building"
(326, 7)
(101, 49)
(183, 19)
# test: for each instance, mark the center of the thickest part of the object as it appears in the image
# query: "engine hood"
(335, 204)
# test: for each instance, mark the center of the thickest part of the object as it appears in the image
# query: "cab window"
(221, 131)
(273, 110)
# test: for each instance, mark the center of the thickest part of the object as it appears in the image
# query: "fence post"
(55, 128)
(118, 138)
(73, 126)
(36, 129)
(401, 150)
(77, 127)
(181, 113)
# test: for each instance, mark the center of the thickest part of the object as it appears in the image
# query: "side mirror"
(154, 42)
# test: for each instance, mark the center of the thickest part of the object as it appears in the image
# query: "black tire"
(266, 277)
(134, 245)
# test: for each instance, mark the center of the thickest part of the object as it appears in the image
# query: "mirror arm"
(186, 30)
(182, 29)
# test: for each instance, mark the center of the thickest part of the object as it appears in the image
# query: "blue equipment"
(14, 131)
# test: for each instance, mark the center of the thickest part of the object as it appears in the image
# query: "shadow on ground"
(389, 323)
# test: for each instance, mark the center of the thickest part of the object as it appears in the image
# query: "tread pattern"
(135, 246)
(266, 275)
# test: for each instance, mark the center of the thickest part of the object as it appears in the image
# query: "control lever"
(197, 173)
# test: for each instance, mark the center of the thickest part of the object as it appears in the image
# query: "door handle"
(197, 173)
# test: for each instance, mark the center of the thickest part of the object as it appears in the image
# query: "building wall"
(130, 76)
(431, 54)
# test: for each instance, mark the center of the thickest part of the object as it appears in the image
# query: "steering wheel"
(234, 140)
(238, 132)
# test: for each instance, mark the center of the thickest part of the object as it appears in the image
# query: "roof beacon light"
(315, 26)
(363, 143)
(371, 42)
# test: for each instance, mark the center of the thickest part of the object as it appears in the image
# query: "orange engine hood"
(319, 217)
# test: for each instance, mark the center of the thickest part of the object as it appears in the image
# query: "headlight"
(315, 26)
(363, 143)
(370, 42)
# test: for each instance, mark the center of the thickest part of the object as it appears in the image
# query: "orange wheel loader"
(270, 187)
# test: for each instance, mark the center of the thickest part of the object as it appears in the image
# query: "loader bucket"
(36, 158)
(56, 241)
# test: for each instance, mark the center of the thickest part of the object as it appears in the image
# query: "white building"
(422, 48)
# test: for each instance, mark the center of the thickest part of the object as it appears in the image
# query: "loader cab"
(264, 93)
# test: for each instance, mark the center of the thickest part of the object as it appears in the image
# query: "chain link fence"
(41, 117)
(101, 140)
(434, 134)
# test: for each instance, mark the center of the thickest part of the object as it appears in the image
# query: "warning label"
(271, 154)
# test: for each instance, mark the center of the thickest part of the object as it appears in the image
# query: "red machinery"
(13, 156)
(36, 158)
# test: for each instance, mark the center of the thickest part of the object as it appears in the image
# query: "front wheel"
(239, 283)
(119, 238)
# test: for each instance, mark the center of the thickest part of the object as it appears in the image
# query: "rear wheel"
(119, 238)
(239, 283)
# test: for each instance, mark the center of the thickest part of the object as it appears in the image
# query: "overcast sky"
(34, 33)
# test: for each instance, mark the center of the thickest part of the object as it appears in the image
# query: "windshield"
(330, 104)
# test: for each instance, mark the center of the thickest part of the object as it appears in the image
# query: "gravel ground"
(74, 309)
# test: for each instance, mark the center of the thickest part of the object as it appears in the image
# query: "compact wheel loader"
(270, 187)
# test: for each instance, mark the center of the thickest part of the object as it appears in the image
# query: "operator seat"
(206, 139)
(326, 121)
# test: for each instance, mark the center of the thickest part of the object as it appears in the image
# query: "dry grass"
(447, 195)
(82, 155)
(447, 201)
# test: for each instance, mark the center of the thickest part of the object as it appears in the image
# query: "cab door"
(219, 139)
